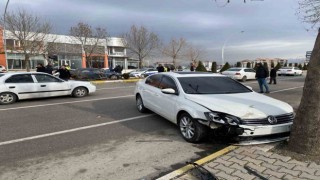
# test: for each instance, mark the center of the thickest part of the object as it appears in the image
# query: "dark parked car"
(89, 74)
(110, 74)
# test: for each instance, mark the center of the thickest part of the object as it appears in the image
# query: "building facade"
(63, 49)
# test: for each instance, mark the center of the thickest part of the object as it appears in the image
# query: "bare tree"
(305, 132)
(193, 53)
(141, 42)
(174, 49)
(30, 31)
(89, 38)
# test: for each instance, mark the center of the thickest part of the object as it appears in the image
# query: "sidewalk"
(259, 158)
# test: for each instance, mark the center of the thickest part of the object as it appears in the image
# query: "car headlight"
(222, 118)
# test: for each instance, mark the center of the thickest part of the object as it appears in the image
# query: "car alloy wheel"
(244, 78)
(190, 129)
(113, 77)
(140, 105)
(7, 98)
(80, 92)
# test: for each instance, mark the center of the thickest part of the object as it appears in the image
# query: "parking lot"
(102, 136)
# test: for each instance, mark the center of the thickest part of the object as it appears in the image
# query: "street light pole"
(4, 35)
(224, 45)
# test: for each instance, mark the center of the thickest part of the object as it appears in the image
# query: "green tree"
(201, 67)
(238, 64)
(272, 64)
(278, 66)
(290, 64)
(300, 66)
(285, 65)
(225, 67)
(295, 64)
(249, 65)
(214, 67)
(265, 64)
(305, 66)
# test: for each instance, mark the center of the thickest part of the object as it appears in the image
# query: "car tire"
(244, 78)
(113, 77)
(7, 98)
(191, 130)
(79, 92)
(140, 106)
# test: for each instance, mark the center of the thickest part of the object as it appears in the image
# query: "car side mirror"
(168, 91)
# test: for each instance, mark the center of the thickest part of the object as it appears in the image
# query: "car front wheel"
(7, 98)
(79, 92)
(140, 105)
(190, 129)
(244, 78)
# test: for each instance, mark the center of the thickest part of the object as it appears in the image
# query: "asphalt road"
(101, 136)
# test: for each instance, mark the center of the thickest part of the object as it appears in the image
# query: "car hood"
(243, 105)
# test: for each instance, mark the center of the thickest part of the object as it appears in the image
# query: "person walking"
(261, 75)
(64, 73)
(273, 75)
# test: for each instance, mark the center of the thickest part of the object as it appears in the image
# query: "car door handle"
(11, 87)
(43, 85)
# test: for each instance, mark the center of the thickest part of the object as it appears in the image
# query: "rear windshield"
(211, 85)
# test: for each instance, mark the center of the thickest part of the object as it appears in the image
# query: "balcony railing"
(117, 54)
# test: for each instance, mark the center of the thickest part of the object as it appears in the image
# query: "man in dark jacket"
(49, 68)
(273, 75)
(160, 68)
(64, 73)
(40, 68)
(261, 75)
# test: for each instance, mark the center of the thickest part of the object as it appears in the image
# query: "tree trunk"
(305, 132)
(27, 61)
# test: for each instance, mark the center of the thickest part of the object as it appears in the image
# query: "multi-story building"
(63, 49)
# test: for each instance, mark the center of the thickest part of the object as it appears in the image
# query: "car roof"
(192, 74)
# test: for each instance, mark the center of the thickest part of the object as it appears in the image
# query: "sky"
(271, 28)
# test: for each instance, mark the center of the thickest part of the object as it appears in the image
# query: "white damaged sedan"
(27, 85)
(199, 102)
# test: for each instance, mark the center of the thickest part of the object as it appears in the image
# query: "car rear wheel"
(140, 105)
(244, 78)
(79, 92)
(190, 129)
(7, 98)
(113, 77)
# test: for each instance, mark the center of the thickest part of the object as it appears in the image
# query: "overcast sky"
(271, 28)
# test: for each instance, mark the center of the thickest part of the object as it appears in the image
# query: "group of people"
(162, 68)
(262, 74)
(64, 70)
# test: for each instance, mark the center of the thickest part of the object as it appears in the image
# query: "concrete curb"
(204, 160)
(115, 81)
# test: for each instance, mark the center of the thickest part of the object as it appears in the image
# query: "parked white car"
(27, 85)
(199, 102)
(140, 72)
(242, 74)
(293, 71)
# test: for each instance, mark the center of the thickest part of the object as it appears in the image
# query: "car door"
(167, 103)
(150, 91)
(23, 85)
(251, 74)
(51, 86)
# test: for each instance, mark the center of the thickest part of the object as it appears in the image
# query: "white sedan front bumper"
(260, 130)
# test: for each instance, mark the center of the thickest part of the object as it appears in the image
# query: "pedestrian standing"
(261, 75)
(273, 75)
(160, 68)
(64, 73)
(40, 68)
(49, 68)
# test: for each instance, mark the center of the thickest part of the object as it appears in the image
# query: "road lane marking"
(70, 102)
(72, 130)
(116, 88)
(287, 89)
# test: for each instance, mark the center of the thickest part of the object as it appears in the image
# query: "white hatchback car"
(198, 102)
(242, 74)
(27, 85)
(293, 71)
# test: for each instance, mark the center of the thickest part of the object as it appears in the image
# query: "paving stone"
(226, 176)
(254, 167)
(212, 165)
(226, 157)
(314, 166)
(239, 150)
(187, 177)
(248, 154)
(225, 169)
(270, 166)
(317, 173)
(239, 161)
(249, 149)
(286, 165)
(283, 158)
(290, 177)
(221, 161)
(300, 163)
(266, 154)
(308, 176)
(291, 172)
(238, 167)
(273, 178)
(255, 161)
(242, 175)
(212, 170)
(305, 169)
(274, 173)
(266, 159)
(239, 156)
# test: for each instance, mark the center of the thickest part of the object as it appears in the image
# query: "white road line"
(115, 88)
(70, 102)
(287, 89)
(72, 130)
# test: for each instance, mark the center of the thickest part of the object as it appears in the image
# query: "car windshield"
(211, 85)
(234, 69)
